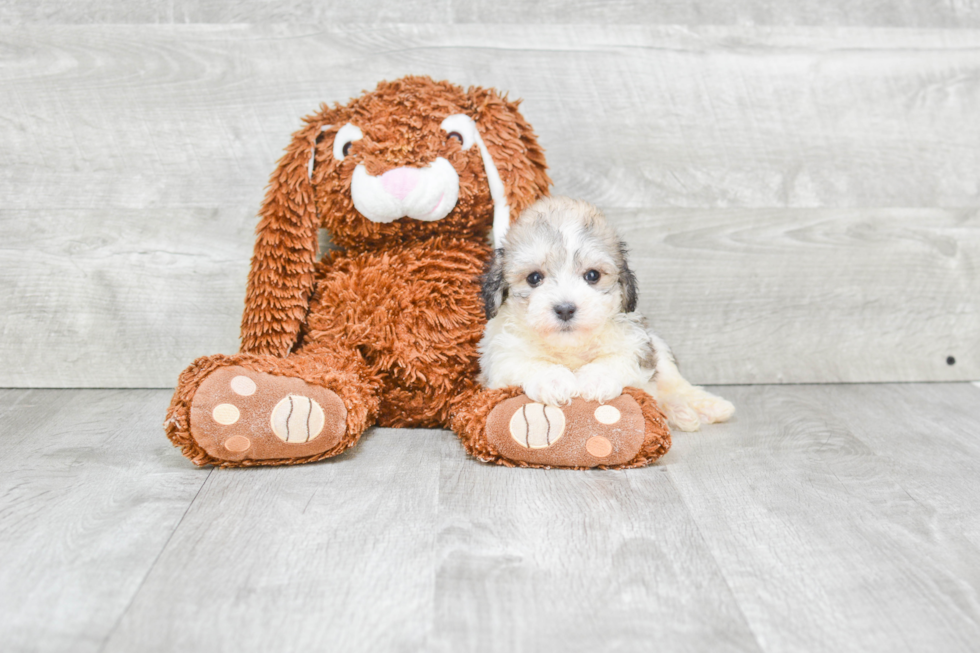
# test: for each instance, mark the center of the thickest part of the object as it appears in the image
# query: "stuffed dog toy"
(409, 180)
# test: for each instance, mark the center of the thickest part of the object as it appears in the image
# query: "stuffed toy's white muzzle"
(427, 194)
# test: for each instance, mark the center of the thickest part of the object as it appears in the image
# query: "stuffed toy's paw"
(581, 434)
(506, 427)
(239, 414)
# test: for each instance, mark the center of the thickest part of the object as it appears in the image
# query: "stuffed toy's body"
(409, 180)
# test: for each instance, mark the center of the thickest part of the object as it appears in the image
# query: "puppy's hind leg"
(686, 406)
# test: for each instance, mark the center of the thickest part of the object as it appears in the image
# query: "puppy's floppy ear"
(280, 280)
(494, 287)
(627, 281)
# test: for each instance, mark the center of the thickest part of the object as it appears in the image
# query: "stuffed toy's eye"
(592, 276)
(342, 141)
(461, 127)
(534, 279)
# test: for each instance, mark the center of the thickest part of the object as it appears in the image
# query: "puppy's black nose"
(565, 311)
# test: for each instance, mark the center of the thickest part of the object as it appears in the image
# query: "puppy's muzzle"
(565, 312)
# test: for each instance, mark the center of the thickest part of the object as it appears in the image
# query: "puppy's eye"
(592, 276)
(345, 137)
(534, 279)
(455, 136)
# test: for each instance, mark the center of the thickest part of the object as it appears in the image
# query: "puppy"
(560, 302)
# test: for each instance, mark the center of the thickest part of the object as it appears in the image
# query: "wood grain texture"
(142, 116)
(822, 518)
(558, 560)
(119, 298)
(862, 13)
(936, 454)
(817, 516)
(135, 159)
(335, 556)
(743, 296)
(306, 12)
(90, 493)
(811, 295)
(907, 13)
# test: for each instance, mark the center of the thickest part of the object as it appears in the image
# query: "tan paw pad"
(225, 414)
(599, 446)
(297, 419)
(607, 414)
(537, 426)
(242, 385)
(237, 444)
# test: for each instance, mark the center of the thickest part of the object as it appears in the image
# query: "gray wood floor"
(823, 518)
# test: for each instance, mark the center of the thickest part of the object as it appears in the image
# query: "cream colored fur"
(603, 346)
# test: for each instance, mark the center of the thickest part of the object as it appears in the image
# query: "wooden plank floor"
(823, 518)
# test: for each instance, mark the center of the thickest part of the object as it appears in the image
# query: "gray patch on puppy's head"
(627, 281)
(493, 286)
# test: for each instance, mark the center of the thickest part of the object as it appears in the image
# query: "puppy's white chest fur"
(512, 351)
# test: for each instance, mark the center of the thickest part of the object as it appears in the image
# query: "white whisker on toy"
(562, 322)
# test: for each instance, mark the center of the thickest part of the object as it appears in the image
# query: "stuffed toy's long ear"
(281, 279)
(514, 149)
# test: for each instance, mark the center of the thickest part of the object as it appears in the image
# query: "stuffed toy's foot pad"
(582, 434)
(238, 414)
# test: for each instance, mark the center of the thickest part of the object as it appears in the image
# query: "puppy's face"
(562, 272)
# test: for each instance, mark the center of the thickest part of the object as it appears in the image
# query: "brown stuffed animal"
(409, 179)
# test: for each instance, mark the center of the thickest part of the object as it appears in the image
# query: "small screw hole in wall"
(950, 360)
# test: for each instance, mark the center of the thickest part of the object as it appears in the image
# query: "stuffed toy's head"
(412, 160)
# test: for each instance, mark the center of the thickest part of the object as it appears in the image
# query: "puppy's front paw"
(596, 384)
(555, 387)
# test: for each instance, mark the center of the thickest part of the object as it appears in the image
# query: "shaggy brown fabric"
(413, 315)
(391, 321)
(400, 121)
(657, 440)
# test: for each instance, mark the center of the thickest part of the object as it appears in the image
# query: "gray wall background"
(799, 180)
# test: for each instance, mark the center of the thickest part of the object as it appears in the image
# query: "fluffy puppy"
(560, 302)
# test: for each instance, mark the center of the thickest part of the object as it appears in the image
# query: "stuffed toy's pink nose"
(400, 181)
